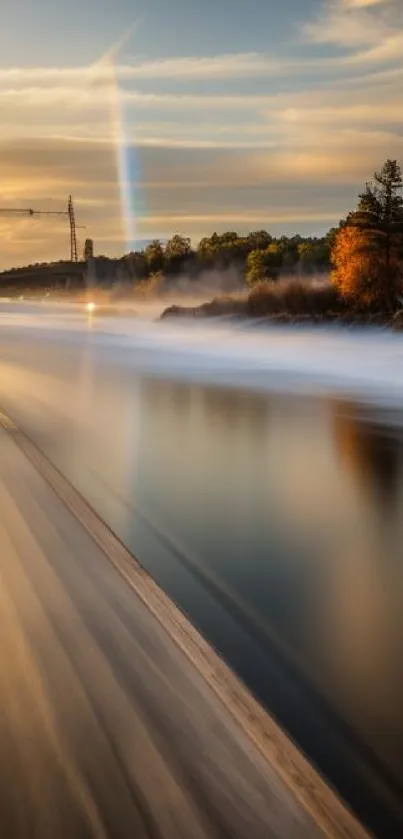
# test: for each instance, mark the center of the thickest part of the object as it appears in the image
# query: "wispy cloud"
(225, 66)
(362, 4)
(348, 23)
(337, 24)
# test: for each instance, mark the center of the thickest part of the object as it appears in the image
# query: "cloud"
(92, 100)
(364, 114)
(350, 23)
(362, 4)
(227, 66)
(337, 25)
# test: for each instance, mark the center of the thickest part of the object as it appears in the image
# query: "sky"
(191, 116)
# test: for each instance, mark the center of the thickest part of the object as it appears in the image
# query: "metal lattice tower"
(73, 233)
(28, 211)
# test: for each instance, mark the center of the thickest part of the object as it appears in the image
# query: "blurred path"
(106, 728)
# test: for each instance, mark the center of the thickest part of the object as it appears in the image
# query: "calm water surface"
(289, 512)
(274, 521)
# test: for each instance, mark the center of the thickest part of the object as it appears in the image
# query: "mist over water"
(360, 362)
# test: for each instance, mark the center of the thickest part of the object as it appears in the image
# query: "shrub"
(150, 287)
(293, 297)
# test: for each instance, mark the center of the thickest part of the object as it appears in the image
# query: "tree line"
(257, 256)
(363, 255)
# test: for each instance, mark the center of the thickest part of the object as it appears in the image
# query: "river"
(271, 515)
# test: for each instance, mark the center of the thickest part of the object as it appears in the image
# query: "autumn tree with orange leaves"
(367, 253)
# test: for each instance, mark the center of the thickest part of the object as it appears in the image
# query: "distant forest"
(254, 257)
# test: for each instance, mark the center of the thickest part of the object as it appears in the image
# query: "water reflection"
(371, 451)
(291, 509)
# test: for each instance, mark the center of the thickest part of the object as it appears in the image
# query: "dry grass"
(294, 297)
(219, 307)
(286, 301)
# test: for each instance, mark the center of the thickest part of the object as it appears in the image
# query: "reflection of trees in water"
(363, 618)
(205, 445)
(233, 408)
(226, 408)
(157, 394)
(371, 450)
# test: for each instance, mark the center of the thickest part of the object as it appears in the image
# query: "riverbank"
(292, 302)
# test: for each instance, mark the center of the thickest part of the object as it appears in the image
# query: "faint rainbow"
(125, 150)
(126, 162)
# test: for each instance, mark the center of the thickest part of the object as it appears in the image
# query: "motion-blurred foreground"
(258, 478)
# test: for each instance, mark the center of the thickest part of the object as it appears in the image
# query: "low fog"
(366, 363)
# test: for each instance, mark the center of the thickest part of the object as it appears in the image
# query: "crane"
(28, 211)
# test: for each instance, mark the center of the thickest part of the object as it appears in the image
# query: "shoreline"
(239, 310)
